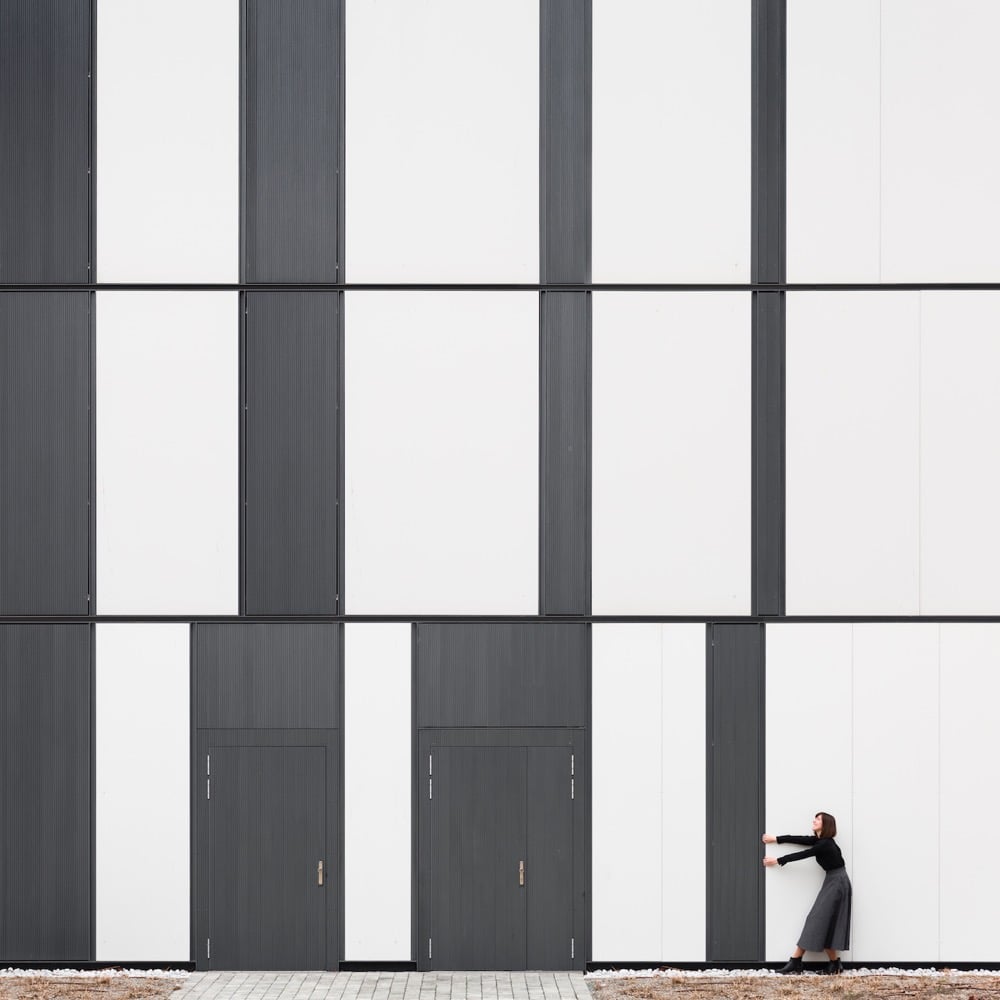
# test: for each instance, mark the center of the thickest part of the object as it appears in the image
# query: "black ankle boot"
(793, 967)
(833, 968)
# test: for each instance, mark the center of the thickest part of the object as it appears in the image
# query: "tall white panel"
(960, 479)
(683, 785)
(167, 452)
(970, 883)
(671, 453)
(168, 112)
(442, 141)
(627, 727)
(833, 122)
(442, 452)
(940, 140)
(808, 763)
(671, 141)
(143, 836)
(852, 452)
(649, 792)
(377, 846)
(896, 774)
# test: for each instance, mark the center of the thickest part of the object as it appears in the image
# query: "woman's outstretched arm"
(786, 838)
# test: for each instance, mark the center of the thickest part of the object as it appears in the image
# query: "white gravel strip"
(763, 973)
(94, 973)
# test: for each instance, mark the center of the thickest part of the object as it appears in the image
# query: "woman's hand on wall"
(769, 861)
(769, 838)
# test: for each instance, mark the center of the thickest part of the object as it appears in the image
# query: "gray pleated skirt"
(828, 924)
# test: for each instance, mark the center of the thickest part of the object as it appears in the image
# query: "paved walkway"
(384, 986)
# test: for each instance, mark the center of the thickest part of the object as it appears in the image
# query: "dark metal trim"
(93, 792)
(414, 800)
(244, 307)
(92, 126)
(92, 459)
(341, 459)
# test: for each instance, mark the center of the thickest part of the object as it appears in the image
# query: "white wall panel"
(808, 765)
(671, 141)
(852, 452)
(959, 477)
(167, 105)
(143, 837)
(377, 792)
(671, 458)
(649, 792)
(970, 810)
(896, 805)
(940, 140)
(833, 122)
(167, 452)
(442, 140)
(442, 452)
(627, 727)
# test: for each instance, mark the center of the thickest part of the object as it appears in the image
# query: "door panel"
(267, 813)
(477, 916)
(550, 858)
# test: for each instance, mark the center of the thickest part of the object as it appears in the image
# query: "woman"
(828, 925)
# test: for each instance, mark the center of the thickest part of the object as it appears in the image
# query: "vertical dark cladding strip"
(768, 102)
(735, 793)
(565, 317)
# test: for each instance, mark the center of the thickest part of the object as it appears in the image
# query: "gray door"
(267, 834)
(500, 858)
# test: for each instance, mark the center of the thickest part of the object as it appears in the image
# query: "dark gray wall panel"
(735, 876)
(565, 432)
(44, 452)
(45, 789)
(292, 445)
(291, 135)
(44, 141)
(768, 448)
(767, 255)
(565, 147)
(502, 674)
(258, 676)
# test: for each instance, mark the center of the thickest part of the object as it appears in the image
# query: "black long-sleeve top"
(824, 850)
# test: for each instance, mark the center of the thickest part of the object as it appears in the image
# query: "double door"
(499, 859)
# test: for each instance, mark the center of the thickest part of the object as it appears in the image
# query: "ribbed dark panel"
(268, 676)
(502, 675)
(768, 95)
(45, 793)
(292, 100)
(44, 452)
(735, 875)
(768, 447)
(292, 444)
(44, 141)
(565, 415)
(565, 148)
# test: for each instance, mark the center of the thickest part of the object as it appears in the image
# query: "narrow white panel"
(970, 884)
(808, 763)
(671, 479)
(442, 452)
(143, 835)
(377, 792)
(833, 141)
(940, 140)
(671, 141)
(683, 837)
(627, 790)
(442, 140)
(852, 452)
(168, 100)
(959, 478)
(167, 452)
(895, 762)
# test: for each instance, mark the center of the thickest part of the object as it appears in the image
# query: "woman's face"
(817, 824)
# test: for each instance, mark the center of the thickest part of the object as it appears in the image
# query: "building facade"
(467, 470)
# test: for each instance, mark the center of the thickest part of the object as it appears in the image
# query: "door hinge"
(430, 776)
(572, 947)
(208, 947)
(430, 947)
(208, 776)
(572, 776)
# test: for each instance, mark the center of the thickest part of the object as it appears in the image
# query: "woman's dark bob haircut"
(829, 827)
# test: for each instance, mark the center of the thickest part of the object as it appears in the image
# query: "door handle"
(520, 873)
(319, 873)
